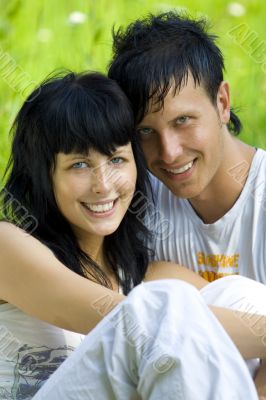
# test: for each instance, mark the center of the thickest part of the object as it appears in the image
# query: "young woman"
(72, 245)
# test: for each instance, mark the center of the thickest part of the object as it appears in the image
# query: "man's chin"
(183, 191)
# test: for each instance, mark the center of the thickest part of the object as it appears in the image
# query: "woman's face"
(93, 192)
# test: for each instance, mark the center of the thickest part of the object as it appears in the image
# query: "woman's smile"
(100, 209)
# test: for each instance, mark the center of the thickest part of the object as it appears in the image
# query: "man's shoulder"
(258, 165)
(260, 155)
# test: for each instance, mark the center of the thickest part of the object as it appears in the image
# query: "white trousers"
(161, 342)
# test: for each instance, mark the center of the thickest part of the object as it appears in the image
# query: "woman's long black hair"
(74, 112)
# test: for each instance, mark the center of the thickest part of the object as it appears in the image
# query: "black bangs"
(156, 53)
(83, 112)
(164, 73)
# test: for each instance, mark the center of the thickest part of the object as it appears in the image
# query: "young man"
(209, 185)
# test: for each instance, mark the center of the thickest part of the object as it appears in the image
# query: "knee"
(162, 295)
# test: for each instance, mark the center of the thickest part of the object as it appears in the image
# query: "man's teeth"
(180, 170)
(100, 207)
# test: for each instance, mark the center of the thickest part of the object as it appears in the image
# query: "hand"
(260, 381)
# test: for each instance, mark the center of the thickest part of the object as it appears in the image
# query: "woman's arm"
(32, 279)
(237, 324)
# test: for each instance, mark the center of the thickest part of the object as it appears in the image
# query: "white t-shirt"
(30, 351)
(235, 244)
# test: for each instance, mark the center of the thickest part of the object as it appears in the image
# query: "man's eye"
(80, 165)
(144, 131)
(182, 120)
(117, 160)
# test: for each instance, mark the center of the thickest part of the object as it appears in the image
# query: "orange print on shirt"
(211, 276)
(214, 263)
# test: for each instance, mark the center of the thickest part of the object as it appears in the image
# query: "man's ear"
(223, 102)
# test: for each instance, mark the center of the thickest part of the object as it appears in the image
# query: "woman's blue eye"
(80, 165)
(117, 160)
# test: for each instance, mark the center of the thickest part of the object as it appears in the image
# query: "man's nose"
(100, 180)
(170, 146)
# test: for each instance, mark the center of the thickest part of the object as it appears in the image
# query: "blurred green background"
(37, 37)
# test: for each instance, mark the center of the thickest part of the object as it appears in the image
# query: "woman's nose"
(100, 180)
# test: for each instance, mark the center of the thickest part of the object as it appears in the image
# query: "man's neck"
(221, 195)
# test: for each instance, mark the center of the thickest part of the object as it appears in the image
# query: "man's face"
(184, 142)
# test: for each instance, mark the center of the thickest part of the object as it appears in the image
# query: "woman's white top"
(30, 351)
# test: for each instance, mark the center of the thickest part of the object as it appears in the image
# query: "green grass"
(25, 24)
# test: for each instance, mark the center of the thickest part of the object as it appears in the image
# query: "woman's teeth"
(99, 208)
(180, 170)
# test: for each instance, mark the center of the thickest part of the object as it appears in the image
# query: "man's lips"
(180, 172)
(177, 168)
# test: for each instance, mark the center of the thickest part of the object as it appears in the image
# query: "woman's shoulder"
(9, 233)
(6, 224)
(13, 238)
(20, 247)
(8, 228)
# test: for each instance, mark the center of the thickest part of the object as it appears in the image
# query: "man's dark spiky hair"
(155, 53)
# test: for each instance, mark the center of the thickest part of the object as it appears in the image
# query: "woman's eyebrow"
(121, 151)
(70, 158)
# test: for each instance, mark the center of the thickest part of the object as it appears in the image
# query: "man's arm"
(249, 342)
(260, 381)
(246, 330)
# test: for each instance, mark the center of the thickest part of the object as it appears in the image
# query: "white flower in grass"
(44, 35)
(236, 9)
(77, 18)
